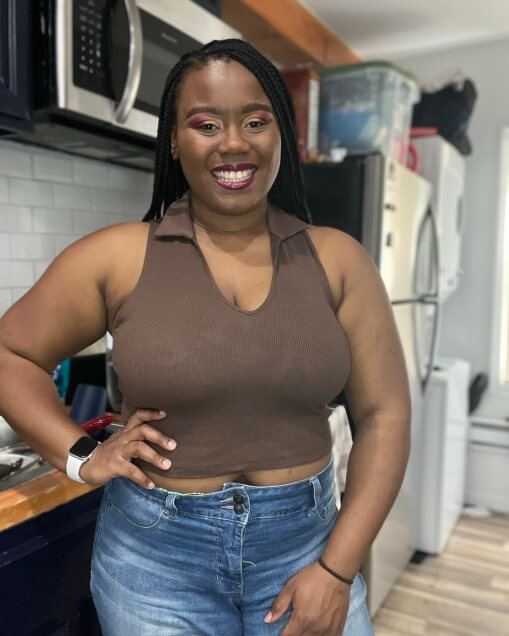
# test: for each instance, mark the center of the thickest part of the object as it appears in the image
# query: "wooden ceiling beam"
(287, 32)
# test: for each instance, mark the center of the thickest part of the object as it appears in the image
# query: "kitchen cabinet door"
(15, 64)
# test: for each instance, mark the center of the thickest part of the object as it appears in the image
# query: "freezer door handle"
(433, 350)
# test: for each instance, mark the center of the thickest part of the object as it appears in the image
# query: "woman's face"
(227, 138)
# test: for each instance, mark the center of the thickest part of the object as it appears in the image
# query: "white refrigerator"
(387, 208)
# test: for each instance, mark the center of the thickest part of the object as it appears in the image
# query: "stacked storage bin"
(367, 108)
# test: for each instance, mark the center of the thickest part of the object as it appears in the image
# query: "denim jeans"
(210, 564)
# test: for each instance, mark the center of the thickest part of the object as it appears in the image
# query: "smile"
(234, 179)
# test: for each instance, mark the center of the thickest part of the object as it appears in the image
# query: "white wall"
(468, 315)
(49, 199)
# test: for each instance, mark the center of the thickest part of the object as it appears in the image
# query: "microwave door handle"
(134, 65)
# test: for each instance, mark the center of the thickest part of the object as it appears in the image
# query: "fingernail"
(172, 444)
(162, 412)
(166, 463)
(151, 485)
(268, 617)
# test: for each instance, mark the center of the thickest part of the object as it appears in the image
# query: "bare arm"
(378, 395)
(64, 312)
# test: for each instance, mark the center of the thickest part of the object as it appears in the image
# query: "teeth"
(234, 176)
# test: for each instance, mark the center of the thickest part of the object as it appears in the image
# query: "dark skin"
(90, 280)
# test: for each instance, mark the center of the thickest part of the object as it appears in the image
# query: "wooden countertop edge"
(38, 496)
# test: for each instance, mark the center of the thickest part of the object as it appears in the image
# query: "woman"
(234, 323)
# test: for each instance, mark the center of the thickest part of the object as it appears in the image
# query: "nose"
(233, 141)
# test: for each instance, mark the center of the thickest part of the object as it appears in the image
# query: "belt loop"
(170, 507)
(317, 490)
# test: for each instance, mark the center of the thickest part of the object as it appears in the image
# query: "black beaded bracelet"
(338, 576)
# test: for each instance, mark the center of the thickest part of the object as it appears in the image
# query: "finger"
(133, 473)
(144, 415)
(146, 431)
(139, 449)
(279, 605)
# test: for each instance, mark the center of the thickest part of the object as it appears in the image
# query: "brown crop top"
(243, 390)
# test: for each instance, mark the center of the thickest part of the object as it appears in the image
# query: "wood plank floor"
(462, 592)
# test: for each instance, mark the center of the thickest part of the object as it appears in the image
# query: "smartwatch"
(80, 453)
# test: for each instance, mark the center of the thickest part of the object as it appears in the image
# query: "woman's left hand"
(320, 603)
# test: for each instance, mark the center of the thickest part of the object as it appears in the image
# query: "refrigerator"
(387, 208)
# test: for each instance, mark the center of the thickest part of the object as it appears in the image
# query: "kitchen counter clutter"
(38, 490)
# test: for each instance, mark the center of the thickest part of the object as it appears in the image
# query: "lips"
(234, 176)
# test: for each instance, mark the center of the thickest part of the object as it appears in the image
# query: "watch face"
(83, 447)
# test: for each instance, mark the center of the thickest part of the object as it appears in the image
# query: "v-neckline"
(274, 250)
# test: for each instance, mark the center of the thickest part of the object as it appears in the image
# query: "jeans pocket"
(140, 511)
(327, 507)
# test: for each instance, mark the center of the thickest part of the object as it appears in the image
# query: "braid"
(287, 191)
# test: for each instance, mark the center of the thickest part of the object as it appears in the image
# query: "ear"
(173, 143)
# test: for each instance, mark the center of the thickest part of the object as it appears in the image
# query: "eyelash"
(254, 121)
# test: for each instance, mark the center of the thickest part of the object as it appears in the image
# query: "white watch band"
(75, 463)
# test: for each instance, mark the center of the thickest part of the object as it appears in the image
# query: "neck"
(241, 224)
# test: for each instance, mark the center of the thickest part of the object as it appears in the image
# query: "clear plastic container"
(366, 108)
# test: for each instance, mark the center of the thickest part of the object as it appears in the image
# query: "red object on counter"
(418, 131)
(412, 161)
(97, 423)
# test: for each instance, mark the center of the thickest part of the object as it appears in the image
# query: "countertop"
(40, 495)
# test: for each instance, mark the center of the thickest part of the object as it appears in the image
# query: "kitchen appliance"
(446, 424)
(386, 207)
(444, 166)
(99, 70)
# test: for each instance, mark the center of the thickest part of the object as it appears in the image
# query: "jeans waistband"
(305, 492)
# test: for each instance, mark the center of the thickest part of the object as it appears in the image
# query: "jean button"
(239, 508)
(238, 498)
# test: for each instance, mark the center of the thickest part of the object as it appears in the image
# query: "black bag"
(449, 110)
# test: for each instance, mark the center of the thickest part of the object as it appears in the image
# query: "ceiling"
(392, 29)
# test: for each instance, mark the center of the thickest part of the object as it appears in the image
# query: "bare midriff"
(275, 477)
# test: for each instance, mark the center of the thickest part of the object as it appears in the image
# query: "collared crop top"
(243, 390)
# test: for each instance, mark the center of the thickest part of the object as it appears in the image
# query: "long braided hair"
(287, 191)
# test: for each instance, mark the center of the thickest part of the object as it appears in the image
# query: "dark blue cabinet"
(45, 572)
(15, 64)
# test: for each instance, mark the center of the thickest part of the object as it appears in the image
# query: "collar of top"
(177, 221)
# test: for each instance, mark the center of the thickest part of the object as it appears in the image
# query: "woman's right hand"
(113, 457)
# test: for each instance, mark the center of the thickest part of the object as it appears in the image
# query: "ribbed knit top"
(243, 390)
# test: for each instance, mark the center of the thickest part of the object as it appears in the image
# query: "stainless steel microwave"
(99, 69)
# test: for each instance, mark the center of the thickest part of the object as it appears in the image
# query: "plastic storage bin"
(366, 108)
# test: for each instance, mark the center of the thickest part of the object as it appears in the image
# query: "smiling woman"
(234, 323)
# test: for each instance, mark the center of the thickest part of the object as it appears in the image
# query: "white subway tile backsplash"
(126, 179)
(107, 200)
(72, 197)
(15, 218)
(90, 222)
(146, 181)
(61, 242)
(14, 163)
(16, 273)
(89, 173)
(57, 169)
(136, 203)
(4, 190)
(25, 192)
(17, 292)
(5, 248)
(41, 267)
(48, 200)
(5, 300)
(32, 246)
(52, 221)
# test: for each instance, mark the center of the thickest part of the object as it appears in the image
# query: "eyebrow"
(248, 108)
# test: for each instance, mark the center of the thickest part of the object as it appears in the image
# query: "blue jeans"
(210, 564)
